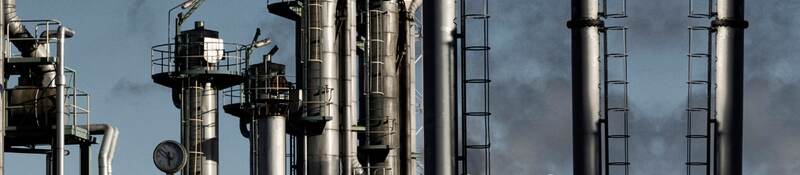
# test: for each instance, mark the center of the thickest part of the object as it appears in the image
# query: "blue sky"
(531, 96)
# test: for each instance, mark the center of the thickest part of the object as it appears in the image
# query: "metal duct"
(730, 25)
(322, 85)
(272, 138)
(108, 146)
(439, 53)
(585, 87)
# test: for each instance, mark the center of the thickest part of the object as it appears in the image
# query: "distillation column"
(585, 24)
(439, 53)
(320, 79)
(730, 25)
(384, 90)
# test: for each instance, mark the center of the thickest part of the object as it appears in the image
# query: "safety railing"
(215, 57)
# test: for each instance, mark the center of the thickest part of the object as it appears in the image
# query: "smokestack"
(730, 25)
(585, 25)
(439, 53)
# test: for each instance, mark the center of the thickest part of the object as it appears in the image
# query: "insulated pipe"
(730, 25)
(60, 84)
(351, 94)
(439, 52)
(322, 85)
(108, 146)
(585, 24)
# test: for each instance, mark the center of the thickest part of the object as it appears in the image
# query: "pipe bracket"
(585, 22)
(733, 23)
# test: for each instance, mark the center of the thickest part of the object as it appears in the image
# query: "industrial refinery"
(399, 87)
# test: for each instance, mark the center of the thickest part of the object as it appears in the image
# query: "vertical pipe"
(210, 116)
(350, 79)
(585, 87)
(59, 147)
(85, 159)
(730, 25)
(439, 53)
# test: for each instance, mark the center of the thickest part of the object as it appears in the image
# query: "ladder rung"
(697, 109)
(478, 146)
(618, 109)
(619, 163)
(477, 16)
(616, 55)
(698, 15)
(617, 82)
(478, 81)
(697, 82)
(480, 114)
(477, 48)
(696, 163)
(621, 136)
(699, 55)
(695, 136)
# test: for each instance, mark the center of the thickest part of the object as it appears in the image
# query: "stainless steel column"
(272, 141)
(730, 25)
(585, 87)
(323, 149)
(439, 51)
(199, 125)
(384, 105)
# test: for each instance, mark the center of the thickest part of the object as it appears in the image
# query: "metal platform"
(220, 79)
(16, 136)
(288, 9)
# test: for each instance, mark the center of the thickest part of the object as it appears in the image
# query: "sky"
(531, 88)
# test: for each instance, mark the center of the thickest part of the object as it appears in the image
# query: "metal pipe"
(730, 25)
(408, 149)
(439, 51)
(108, 146)
(60, 83)
(322, 85)
(350, 86)
(585, 25)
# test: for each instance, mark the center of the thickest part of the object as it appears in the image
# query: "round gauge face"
(169, 156)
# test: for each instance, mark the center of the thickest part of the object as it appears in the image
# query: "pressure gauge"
(169, 156)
